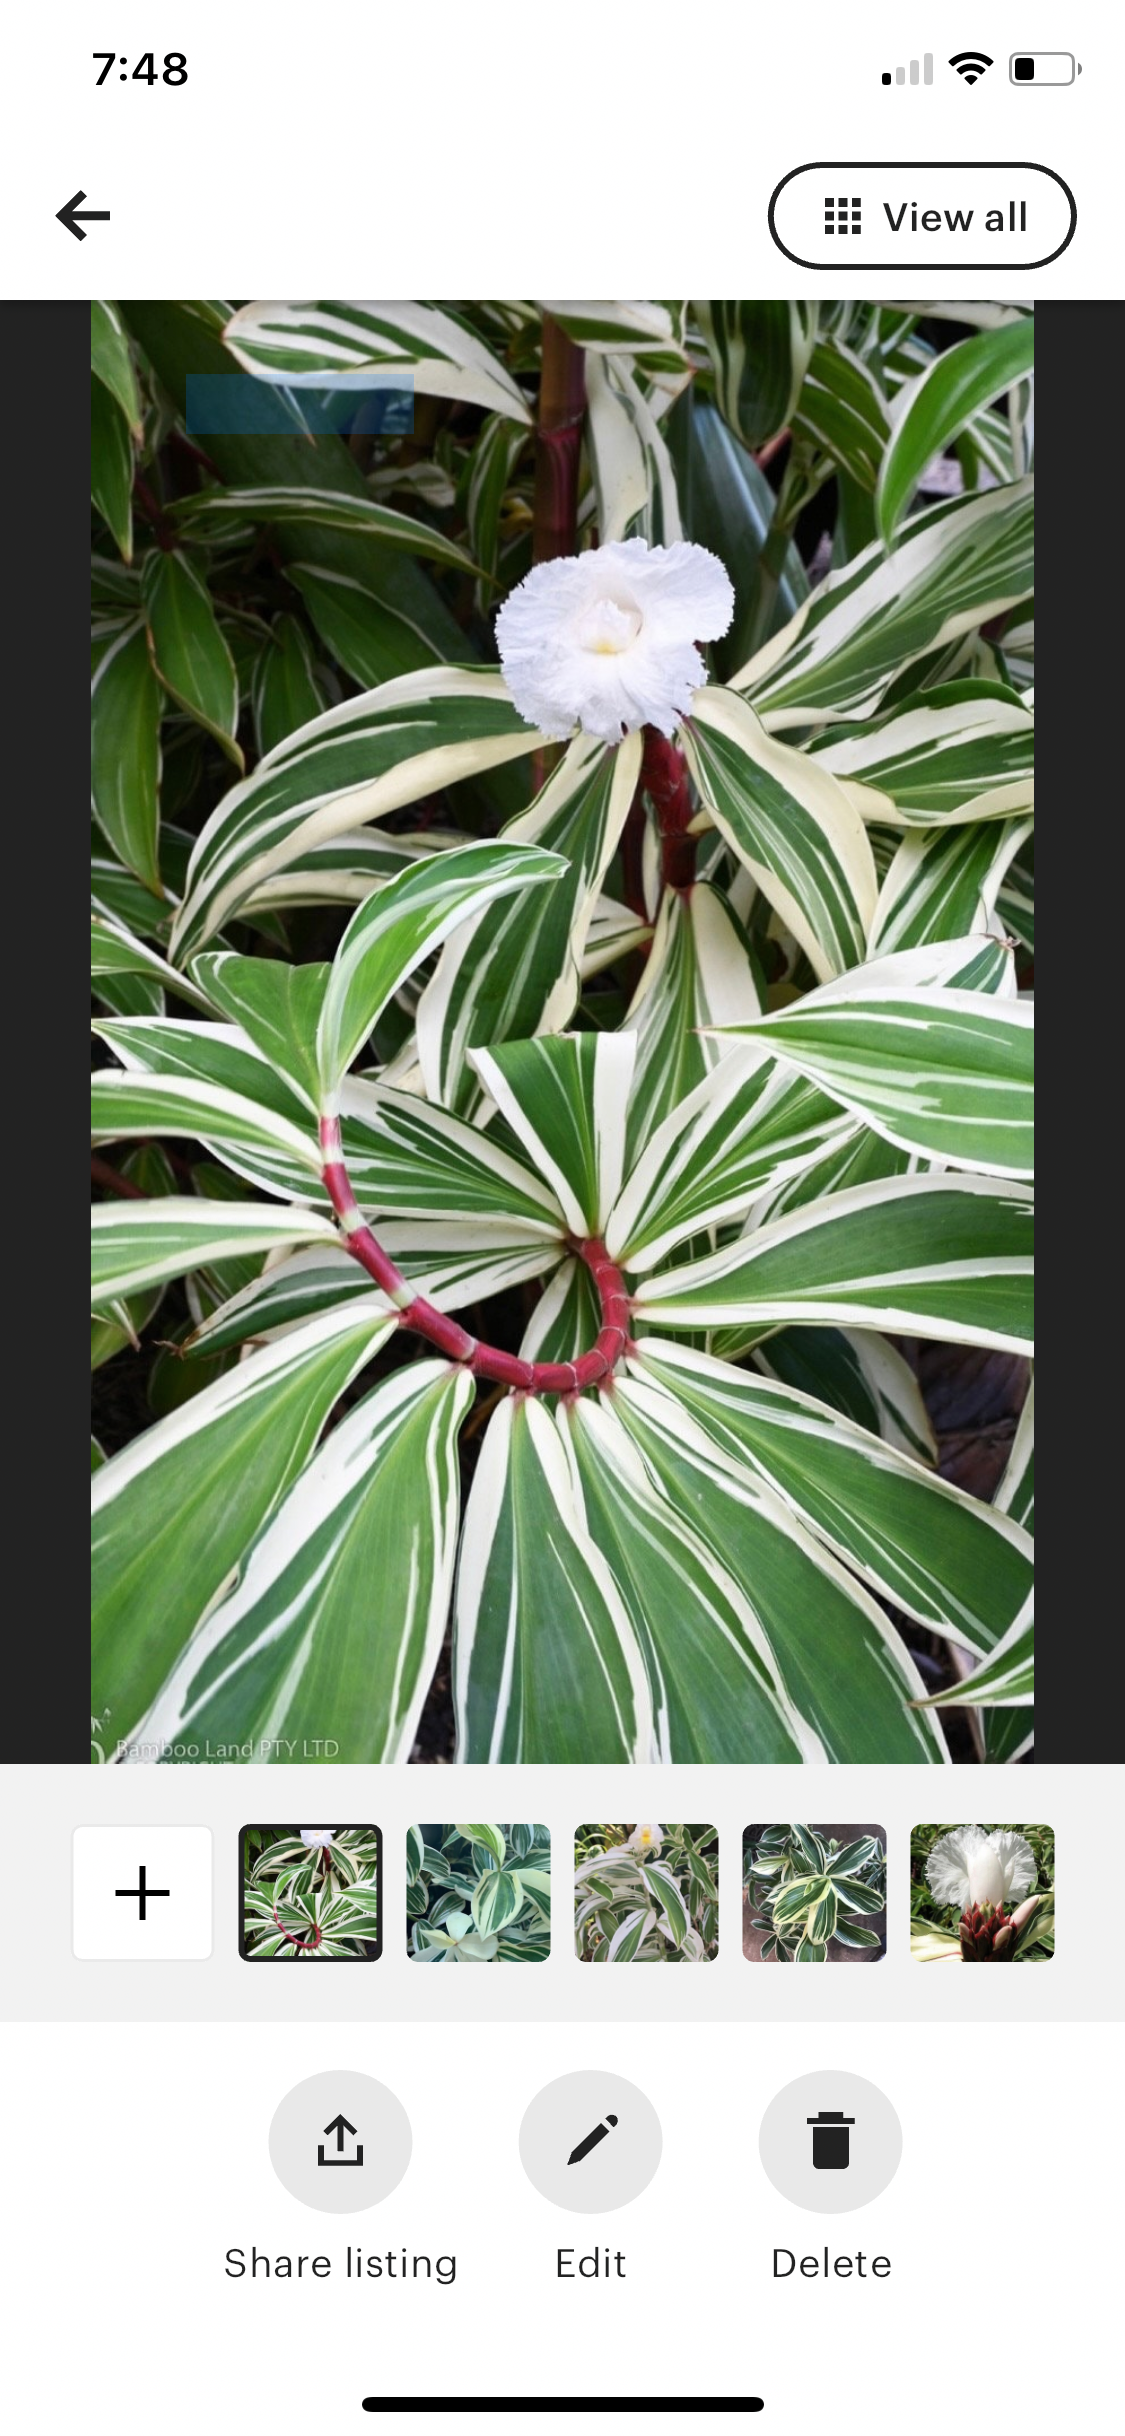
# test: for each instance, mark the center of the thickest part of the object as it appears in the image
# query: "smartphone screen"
(562, 880)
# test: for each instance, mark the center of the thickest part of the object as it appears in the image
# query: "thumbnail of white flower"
(313, 1836)
(608, 642)
(646, 1840)
(967, 1866)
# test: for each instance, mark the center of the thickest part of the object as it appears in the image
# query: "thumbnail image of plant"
(815, 1894)
(646, 1894)
(310, 1894)
(478, 1894)
(562, 910)
(982, 1894)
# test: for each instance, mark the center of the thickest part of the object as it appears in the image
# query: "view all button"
(922, 215)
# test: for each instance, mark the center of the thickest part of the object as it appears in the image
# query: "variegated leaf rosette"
(652, 1897)
(712, 1059)
(479, 1894)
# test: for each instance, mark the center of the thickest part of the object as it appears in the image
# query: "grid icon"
(841, 217)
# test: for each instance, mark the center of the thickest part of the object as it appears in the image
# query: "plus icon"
(141, 1894)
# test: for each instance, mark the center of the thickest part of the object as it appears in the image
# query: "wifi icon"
(970, 65)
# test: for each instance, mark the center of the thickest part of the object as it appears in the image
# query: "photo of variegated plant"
(310, 1894)
(646, 1893)
(561, 932)
(478, 1893)
(982, 1894)
(814, 1894)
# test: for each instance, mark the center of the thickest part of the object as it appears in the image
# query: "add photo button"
(922, 215)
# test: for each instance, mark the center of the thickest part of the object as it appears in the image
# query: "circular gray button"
(340, 2142)
(830, 2142)
(590, 2142)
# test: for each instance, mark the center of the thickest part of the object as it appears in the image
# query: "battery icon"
(1043, 68)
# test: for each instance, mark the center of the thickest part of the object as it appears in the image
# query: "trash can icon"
(831, 2141)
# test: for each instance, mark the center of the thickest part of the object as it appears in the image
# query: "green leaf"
(950, 569)
(125, 754)
(342, 511)
(516, 970)
(546, 1664)
(714, 1686)
(931, 410)
(188, 648)
(127, 1106)
(140, 1243)
(943, 883)
(843, 413)
(566, 1097)
(278, 1005)
(945, 1072)
(663, 1888)
(182, 1502)
(357, 762)
(393, 931)
(699, 974)
(843, 1669)
(801, 839)
(492, 1838)
(628, 1938)
(1006, 1679)
(285, 691)
(115, 952)
(959, 752)
(728, 506)
(111, 362)
(760, 354)
(111, 467)
(851, 1933)
(497, 1900)
(942, 1256)
(338, 1620)
(321, 344)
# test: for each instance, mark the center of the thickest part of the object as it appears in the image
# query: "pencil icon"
(601, 2131)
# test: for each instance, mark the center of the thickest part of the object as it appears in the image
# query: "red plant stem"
(304, 1945)
(665, 781)
(447, 1335)
(102, 1173)
(558, 444)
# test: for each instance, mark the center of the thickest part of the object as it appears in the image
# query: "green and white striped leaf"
(566, 1319)
(645, 331)
(629, 1936)
(359, 617)
(801, 838)
(957, 1566)
(840, 1666)
(338, 1619)
(760, 354)
(497, 1899)
(853, 1934)
(1016, 1493)
(699, 976)
(393, 931)
(127, 1106)
(214, 511)
(747, 1126)
(125, 753)
(714, 1686)
(566, 1098)
(516, 970)
(180, 1505)
(115, 951)
(365, 758)
(947, 1073)
(345, 870)
(277, 1005)
(931, 410)
(944, 883)
(961, 752)
(933, 1256)
(140, 1243)
(189, 651)
(546, 1664)
(1006, 1680)
(408, 1159)
(842, 413)
(855, 1373)
(111, 467)
(953, 568)
(329, 345)
(666, 1894)
(634, 477)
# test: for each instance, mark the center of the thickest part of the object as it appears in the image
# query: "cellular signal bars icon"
(916, 73)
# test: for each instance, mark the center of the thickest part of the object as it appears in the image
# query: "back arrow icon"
(70, 214)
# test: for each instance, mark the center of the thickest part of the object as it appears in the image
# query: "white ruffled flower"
(647, 1840)
(608, 641)
(312, 1836)
(967, 1866)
